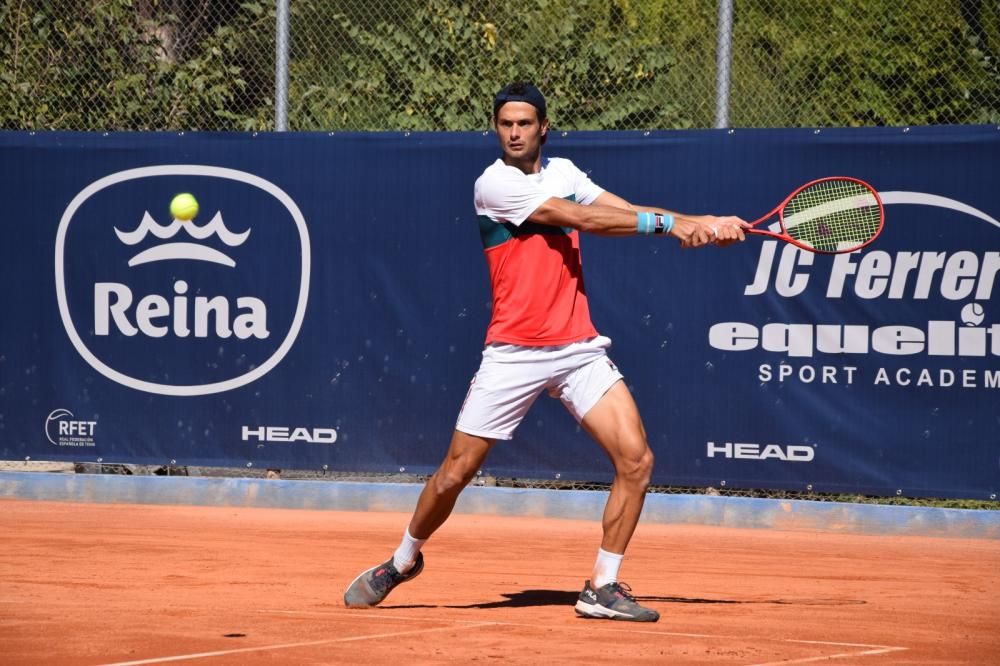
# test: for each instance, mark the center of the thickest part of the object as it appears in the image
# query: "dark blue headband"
(520, 92)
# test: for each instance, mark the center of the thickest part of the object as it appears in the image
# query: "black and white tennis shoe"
(614, 601)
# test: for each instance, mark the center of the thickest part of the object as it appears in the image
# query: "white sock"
(606, 568)
(406, 554)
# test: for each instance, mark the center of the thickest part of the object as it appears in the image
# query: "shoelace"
(384, 577)
(625, 590)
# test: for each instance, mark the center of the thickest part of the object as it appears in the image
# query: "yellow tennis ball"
(184, 207)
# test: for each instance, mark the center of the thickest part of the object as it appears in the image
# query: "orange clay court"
(101, 584)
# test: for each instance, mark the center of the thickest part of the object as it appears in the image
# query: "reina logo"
(252, 320)
(180, 308)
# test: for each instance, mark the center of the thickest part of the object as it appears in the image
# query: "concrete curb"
(740, 512)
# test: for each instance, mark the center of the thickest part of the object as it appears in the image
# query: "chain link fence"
(104, 65)
(434, 64)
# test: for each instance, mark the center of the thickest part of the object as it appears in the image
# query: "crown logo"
(182, 249)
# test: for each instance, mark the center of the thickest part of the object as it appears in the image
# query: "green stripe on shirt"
(493, 233)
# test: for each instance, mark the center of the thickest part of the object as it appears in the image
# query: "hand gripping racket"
(829, 215)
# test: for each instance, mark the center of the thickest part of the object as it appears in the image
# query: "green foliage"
(439, 68)
(435, 64)
(861, 62)
(99, 65)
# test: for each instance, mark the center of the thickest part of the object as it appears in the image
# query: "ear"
(545, 127)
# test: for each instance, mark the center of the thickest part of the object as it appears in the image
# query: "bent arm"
(594, 219)
(610, 215)
(608, 199)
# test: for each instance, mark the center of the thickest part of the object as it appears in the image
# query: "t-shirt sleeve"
(506, 195)
(584, 188)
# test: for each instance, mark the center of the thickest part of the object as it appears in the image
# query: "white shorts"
(512, 376)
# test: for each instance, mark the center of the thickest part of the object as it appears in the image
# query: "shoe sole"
(598, 612)
(367, 571)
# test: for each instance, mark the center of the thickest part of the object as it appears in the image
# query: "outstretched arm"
(610, 215)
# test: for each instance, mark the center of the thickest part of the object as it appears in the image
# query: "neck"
(528, 165)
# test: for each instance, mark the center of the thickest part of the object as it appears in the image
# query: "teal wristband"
(646, 223)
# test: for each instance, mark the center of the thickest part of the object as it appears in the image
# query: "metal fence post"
(723, 61)
(281, 67)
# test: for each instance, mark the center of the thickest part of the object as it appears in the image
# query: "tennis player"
(541, 338)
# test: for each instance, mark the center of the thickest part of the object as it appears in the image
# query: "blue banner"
(327, 307)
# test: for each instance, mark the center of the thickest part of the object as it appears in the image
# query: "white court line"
(799, 640)
(870, 648)
(287, 646)
(828, 657)
(410, 618)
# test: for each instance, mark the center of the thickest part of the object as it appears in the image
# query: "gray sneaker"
(614, 601)
(373, 586)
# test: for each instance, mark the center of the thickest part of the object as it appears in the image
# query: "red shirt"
(539, 298)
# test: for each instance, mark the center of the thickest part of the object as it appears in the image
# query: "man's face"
(520, 131)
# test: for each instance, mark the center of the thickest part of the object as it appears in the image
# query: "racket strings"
(833, 215)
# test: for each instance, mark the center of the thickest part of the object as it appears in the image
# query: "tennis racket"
(829, 215)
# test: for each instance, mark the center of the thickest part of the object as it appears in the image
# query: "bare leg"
(616, 425)
(465, 457)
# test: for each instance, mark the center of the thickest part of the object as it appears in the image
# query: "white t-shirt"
(506, 194)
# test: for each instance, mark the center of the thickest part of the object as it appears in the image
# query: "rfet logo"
(182, 307)
(63, 429)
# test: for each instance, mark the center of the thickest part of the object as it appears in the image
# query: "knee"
(638, 469)
(450, 479)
